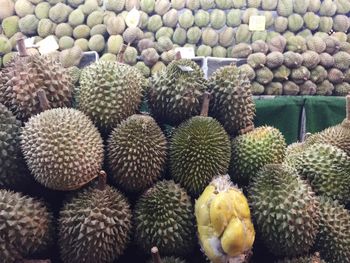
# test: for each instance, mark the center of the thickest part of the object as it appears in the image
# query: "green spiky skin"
(164, 218)
(169, 260)
(110, 92)
(303, 259)
(137, 151)
(176, 95)
(29, 75)
(285, 210)
(253, 150)
(199, 150)
(327, 168)
(333, 239)
(62, 148)
(75, 74)
(25, 225)
(292, 152)
(232, 103)
(95, 226)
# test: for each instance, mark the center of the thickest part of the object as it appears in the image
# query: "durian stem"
(348, 107)
(307, 135)
(155, 255)
(246, 129)
(178, 55)
(43, 101)
(120, 58)
(22, 50)
(205, 104)
(102, 181)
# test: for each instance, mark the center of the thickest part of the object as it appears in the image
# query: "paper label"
(29, 42)
(133, 18)
(186, 52)
(257, 23)
(185, 68)
(47, 45)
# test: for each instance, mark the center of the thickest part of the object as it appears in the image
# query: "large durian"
(26, 226)
(28, 78)
(251, 151)
(164, 218)
(285, 210)
(224, 226)
(232, 102)
(333, 239)
(110, 92)
(95, 225)
(137, 150)
(62, 148)
(176, 93)
(327, 168)
(199, 151)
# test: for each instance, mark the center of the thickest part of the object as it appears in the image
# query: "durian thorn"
(348, 107)
(307, 135)
(22, 50)
(43, 101)
(246, 129)
(121, 52)
(102, 180)
(205, 104)
(155, 255)
(178, 55)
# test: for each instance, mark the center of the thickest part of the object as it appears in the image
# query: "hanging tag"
(47, 45)
(186, 52)
(257, 23)
(132, 19)
(185, 68)
(29, 42)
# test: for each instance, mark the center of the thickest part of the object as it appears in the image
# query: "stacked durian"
(315, 65)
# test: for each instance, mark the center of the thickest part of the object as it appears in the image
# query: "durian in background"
(224, 225)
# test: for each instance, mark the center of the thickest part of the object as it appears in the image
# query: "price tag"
(29, 42)
(133, 18)
(185, 68)
(186, 52)
(257, 23)
(47, 45)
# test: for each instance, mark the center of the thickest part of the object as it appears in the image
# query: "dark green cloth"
(323, 112)
(283, 113)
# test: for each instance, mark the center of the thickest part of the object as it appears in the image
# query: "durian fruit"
(35, 76)
(226, 37)
(332, 45)
(150, 56)
(293, 151)
(239, 3)
(164, 217)
(328, 8)
(136, 153)
(335, 76)
(201, 18)
(224, 225)
(342, 60)
(327, 168)
(257, 88)
(162, 6)
(143, 68)
(300, 75)
(195, 4)
(219, 52)
(254, 3)
(184, 86)
(274, 59)
(23, 8)
(311, 20)
(243, 35)
(290, 88)
(282, 73)
(264, 75)
(164, 32)
(285, 8)
(277, 43)
(342, 89)
(8, 8)
(63, 166)
(340, 36)
(326, 60)
(170, 18)
(179, 36)
(334, 232)
(59, 13)
(28, 25)
(325, 88)
(259, 35)
(107, 107)
(326, 24)
(343, 6)
(257, 60)
(210, 37)
(306, 33)
(292, 59)
(195, 146)
(63, 29)
(74, 72)
(26, 226)
(65, 42)
(178, 4)
(71, 57)
(253, 150)
(154, 23)
(308, 88)
(10, 26)
(217, 19)
(341, 23)
(303, 259)
(147, 5)
(300, 6)
(186, 19)
(314, 6)
(288, 222)
(260, 46)
(241, 50)
(281, 24)
(158, 68)
(233, 18)
(269, 4)
(273, 88)
(295, 22)
(316, 44)
(115, 25)
(94, 225)
(296, 44)
(248, 71)
(232, 102)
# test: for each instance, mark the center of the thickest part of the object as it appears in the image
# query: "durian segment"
(62, 148)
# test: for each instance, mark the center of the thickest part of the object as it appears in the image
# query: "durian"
(260, 46)
(257, 60)
(241, 50)
(264, 75)
(274, 59)
(335, 76)
(292, 59)
(273, 88)
(290, 88)
(316, 44)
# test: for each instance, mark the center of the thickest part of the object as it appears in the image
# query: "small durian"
(295, 22)
(257, 60)
(227, 37)
(308, 88)
(328, 8)
(241, 50)
(233, 18)
(273, 88)
(281, 73)
(325, 88)
(217, 19)
(248, 71)
(285, 8)
(260, 46)
(210, 37)
(296, 44)
(342, 60)
(281, 24)
(170, 18)
(274, 59)
(311, 20)
(149, 56)
(326, 24)
(248, 13)
(186, 19)
(243, 35)
(290, 88)
(257, 88)
(342, 89)
(277, 43)
(316, 44)
(264, 75)
(292, 59)
(204, 51)
(332, 45)
(310, 59)
(300, 75)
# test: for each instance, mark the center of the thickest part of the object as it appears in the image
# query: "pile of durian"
(87, 176)
(211, 27)
(317, 65)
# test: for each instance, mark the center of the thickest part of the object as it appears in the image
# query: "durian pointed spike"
(155, 255)
(205, 105)
(43, 101)
(178, 55)
(120, 58)
(348, 107)
(22, 50)
(102, 180)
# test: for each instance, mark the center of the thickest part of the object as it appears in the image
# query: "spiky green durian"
(333, 238)
(277, 43)
(273, 88)
(176, 94)
(281, 24)
(253, 150)
(318, 74)
(295, 22)
(292, 59)
(274, 59)
(335, 76)
(288, 222)
(327, 168)
(342, 60)
(26, 226)
(257, 88)
(137, 153)
(342, 89)
(316, 44)
(94, 226)
(232, 102)
(300, 75)
(285, 8)
(281, 73)
(264, 75)
(164, 217)
(57, 133)
(248, 71)
(307, 88)
(260, 46)
(199, 151)
(290, 88)
(233, 18)
(257, 60)
(328, 8)
(241, 50)
(296, 44)
(293, 151)
(110, 92)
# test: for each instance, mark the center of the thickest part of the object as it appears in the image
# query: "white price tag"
(257, 23)
(186, 52)
(133, 18)
(29, 42)
(47, 45)
(185, 68)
